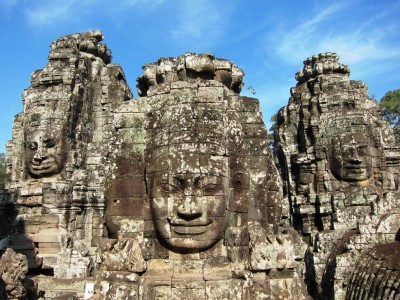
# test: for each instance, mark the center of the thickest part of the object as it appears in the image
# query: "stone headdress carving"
(58, 144)
(210, 199)
(337, 159)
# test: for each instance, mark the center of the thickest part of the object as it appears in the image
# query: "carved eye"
(210, 183)
(348, 150)
(50, 143)
(32, 145)
(170, 187)
(239, 181)
(210, 187)
(363, 150)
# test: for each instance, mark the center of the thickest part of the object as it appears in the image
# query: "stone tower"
(172, 195)
(340, 167)
(59, 161)
(203, 219)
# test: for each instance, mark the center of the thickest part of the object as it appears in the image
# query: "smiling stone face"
(43, 153)
(351, 157)
(188, 200)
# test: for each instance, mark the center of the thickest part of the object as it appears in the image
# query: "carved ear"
(239, 181)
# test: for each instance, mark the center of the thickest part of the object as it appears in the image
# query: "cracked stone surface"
(170, 195)
(176, 194)
(340, 168)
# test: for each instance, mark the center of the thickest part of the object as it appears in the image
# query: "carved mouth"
(190, 227)
(40, 167)
(356, 169)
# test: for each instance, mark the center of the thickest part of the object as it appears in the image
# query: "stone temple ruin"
(176, 195)
(340, 168)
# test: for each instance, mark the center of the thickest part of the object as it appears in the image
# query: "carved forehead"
(346, 130)
(188, 117)
(189, 163)
(182, 119)
(43, 132)
(43, 120)
(352, 139)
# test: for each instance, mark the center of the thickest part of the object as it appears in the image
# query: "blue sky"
(268, 39)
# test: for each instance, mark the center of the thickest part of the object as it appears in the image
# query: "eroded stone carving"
(58, 161)
(339, 163)
(208, 210)
(13, 281)
(191, 66)
(376, 274)
(44, 151)
(188, 173)
(175, 194)
(351, 157)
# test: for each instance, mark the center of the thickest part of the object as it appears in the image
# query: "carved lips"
(194, 227)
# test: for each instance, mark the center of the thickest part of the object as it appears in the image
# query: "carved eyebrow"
(216, 174)
(49, 140)
(168, 187)
(210, 178)
(209, 187)
(179, 181)
(31, 145)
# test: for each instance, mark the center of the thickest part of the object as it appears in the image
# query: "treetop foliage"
(390, 110)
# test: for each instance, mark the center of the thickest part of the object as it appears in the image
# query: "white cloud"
(330, 29)
(6, 6)
(365, 38)
(295, 45)
(9, 3)
(150, 3)
(54, 11)
(200, 22)
(49, 12)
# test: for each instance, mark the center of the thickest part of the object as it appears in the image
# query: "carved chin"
(190, 245)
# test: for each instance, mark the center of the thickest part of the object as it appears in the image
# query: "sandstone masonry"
(176, 194)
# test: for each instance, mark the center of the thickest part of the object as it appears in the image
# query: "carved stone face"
(188, 199)
(351, 158)
(43, 154)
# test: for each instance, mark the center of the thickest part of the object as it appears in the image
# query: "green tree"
(272, 130)
(390, 110)
(2, 170)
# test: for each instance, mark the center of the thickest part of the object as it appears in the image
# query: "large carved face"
(43, 153)
(188, 199)
(351, 157)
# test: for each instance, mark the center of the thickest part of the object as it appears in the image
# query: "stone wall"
(174, 194)
(59, 158)
(340, 167)
(203, 217)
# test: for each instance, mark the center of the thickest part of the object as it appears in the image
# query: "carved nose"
(188, 210)
(356, 159)
(38, 155)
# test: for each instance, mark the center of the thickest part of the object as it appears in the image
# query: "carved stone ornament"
(170, 195)
(176, 194)
(340, 167)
